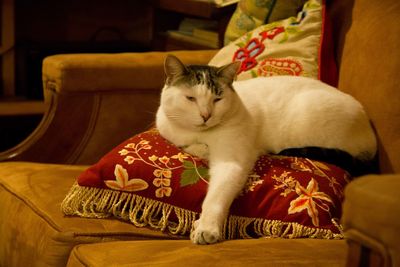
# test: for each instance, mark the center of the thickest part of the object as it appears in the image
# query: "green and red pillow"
(299, 45)
(151, 183)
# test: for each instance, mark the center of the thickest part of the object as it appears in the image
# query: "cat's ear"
(173, 68)
(229, 71)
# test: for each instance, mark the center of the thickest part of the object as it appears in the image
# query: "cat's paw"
(203, 234)
(198, 150)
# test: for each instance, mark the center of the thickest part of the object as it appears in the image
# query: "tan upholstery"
(102, 72)
(368, 41)
(257, 252)
(98, 100)
(34, 232)
(372, 214)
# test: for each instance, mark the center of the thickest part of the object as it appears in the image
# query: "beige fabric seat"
(259, 252)
(34, 231)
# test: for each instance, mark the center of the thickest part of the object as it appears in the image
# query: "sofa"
(83, 122)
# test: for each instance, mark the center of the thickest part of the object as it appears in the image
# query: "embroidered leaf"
(189, 177)
(192, 174)
(188, 164)
(203, 172)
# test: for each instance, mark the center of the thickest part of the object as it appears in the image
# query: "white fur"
(262, 115)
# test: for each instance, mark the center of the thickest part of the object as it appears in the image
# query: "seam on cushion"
(78, 234)
(33, 208)
(74, 252)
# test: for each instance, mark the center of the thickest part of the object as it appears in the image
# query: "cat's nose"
(205, 116)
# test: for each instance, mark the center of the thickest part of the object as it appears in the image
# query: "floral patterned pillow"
(148, 181)
(299, 46)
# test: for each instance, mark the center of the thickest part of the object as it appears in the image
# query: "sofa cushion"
(151, 182)
(34, 231)
(298, 46)
(256, 252)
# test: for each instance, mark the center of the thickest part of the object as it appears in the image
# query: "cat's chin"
(204, 127)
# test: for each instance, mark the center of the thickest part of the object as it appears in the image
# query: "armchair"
(98, 100)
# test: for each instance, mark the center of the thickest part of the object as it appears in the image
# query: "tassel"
(91, 202)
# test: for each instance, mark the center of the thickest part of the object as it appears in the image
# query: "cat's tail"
(354, 166)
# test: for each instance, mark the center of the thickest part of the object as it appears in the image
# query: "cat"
(231, 123)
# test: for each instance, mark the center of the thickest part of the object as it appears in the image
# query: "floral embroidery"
(163, 167)
(252, 182)
(254, 47)
(248, 53)
(309, 198)
(277, 66)
(123, 183)
(286, 182)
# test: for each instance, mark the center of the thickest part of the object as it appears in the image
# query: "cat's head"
(198, 96)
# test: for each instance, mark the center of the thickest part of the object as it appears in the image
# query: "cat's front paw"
(204, 234)
(198, 150)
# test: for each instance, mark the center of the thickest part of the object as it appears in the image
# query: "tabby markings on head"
(201, 75)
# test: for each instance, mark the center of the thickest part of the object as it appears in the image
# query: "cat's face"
(198, 97)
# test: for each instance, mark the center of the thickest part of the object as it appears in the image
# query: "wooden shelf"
(199, 8)
(168, 14)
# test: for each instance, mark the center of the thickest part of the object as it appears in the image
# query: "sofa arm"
(105, 72)
(96, 101)
(371, 220)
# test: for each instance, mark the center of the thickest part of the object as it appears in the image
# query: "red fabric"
(288, 189)
(328, 72)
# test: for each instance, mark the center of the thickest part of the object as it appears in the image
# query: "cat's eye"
(217, 99)
(191, 98)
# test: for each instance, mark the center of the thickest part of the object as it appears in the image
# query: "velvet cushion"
(151, 182)
(300, 46)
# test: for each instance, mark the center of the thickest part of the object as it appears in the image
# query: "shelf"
(199, 8)
(170, 15)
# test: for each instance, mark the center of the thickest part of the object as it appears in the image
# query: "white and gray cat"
(231, 123)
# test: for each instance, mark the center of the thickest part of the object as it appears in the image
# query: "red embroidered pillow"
(299, 46)
(150, 182)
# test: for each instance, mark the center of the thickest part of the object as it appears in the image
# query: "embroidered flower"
(129, 159)
(271, 33)
(147, 147)
(163, 192)
(306, 201)
(164, 159)
(153, 158)
(180, 156)
(162, 173)
(123, 183)
(247, 55)
(144, 142)
(123, 152)
(158, 182)
(130, 145)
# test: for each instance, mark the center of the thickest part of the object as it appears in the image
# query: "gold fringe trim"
(140, 211)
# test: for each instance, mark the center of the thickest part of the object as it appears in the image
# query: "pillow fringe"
(92, 202)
